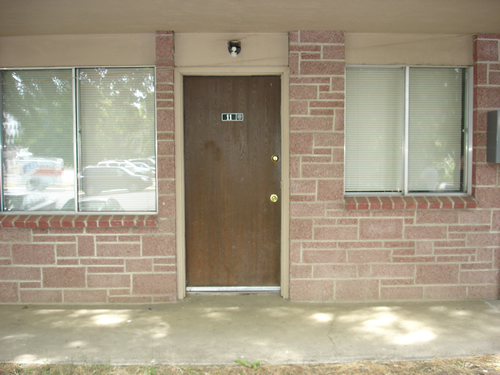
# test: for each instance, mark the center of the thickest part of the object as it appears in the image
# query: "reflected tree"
(37, 112)
(116, 114)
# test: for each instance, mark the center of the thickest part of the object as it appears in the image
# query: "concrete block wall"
(381, 248)
(100, 259)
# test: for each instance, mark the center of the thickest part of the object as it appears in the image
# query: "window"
(407, 131)
(80, 140)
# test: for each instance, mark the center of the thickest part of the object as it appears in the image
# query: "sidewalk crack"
(330, 337)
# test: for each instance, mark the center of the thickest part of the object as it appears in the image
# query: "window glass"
(375, 112)
(104, 159)
(436, 117)
(37, 139)
(116, 125)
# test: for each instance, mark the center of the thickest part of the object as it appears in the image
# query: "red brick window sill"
(409, 203)
(77, 221)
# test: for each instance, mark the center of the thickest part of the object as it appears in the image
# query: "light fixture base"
(234, 47)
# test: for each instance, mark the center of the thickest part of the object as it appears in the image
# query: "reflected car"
(133, 167)
(93, 204)
(96, 179)
(143, 168)
(150, 162)
(27, 201)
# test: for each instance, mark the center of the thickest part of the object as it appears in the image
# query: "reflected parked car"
(150, 162)
(27, 201)
(143, 168)
(93, 204)
(133, 167)
(96, 179)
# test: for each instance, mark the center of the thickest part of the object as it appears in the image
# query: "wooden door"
(232, 227)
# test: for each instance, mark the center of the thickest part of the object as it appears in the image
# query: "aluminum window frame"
(467, 130)
(77, 142)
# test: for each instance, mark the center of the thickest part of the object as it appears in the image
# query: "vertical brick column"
(486, 98)
(317, 61)
(161, 245)
(486, 178)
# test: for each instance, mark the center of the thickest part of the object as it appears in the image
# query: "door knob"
(273, 198)
(275, 158)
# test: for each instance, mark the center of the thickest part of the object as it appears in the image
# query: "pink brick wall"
(381, 248)
(97, 259)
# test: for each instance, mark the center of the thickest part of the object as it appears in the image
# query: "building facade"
(333, 246)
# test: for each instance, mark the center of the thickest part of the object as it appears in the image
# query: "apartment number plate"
(232, 117)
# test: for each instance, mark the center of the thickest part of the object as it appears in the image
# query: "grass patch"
(489, 365)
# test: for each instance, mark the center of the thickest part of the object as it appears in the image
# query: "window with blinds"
(405, 130)
(80, 140)
(374, 135)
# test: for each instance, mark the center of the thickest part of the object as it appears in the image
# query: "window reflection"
(111, 184)
(116, 169)
(37, 139)
(117, 137)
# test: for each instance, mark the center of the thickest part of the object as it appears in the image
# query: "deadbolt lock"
(275, 158)
(273, 198)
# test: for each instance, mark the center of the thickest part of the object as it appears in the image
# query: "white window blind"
(374, 131)
(435, 129)
(116, 125)
(405, 130)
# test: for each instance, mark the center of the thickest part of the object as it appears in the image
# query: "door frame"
(179, 73)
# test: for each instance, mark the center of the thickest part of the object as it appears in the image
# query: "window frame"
(77, 149)
(467, 131)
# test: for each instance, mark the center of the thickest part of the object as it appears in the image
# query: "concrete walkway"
(206, 330)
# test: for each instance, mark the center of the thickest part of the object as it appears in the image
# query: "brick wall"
(352, 249)
(100, 259)
(382, 248)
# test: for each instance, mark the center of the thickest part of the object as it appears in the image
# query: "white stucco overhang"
(53, 17)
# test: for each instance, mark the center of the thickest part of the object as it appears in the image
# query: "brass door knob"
(275, 158)
(273, 198)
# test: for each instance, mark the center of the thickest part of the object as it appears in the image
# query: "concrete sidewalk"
(205, 330)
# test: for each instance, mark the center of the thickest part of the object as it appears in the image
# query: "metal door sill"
(233, 289)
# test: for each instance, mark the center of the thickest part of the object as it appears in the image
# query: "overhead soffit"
(53, 17)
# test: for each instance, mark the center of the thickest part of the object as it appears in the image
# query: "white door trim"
(283, 72)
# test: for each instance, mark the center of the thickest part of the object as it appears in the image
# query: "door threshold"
(233, 289)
